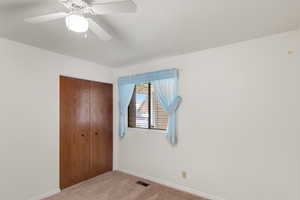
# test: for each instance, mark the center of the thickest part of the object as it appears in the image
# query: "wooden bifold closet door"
(86, 117)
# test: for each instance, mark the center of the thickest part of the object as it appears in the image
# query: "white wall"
(29, 117)
(238, 125)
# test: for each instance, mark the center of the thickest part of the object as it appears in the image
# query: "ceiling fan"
(78, 20)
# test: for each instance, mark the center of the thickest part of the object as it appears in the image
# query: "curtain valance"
(148, 77)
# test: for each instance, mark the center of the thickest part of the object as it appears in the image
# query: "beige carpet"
(120, 186)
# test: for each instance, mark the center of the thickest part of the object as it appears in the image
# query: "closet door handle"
(82, 135)
(96, 133)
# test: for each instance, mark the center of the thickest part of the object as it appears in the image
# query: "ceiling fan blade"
(126, 6)
(98, 30)
(46, 18)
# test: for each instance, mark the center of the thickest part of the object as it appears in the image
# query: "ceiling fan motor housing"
(74, 4)
(78, 7)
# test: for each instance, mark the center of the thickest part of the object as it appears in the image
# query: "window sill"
(145, 131)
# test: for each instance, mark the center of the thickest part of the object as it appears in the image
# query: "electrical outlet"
(184, 174)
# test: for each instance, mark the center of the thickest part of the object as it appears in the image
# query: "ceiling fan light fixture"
(77, 23)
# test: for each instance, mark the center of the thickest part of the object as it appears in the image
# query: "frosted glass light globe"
(77, 23)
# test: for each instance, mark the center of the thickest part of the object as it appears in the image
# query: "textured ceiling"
(160, 28)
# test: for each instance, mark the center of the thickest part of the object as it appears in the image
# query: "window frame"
(149, 111)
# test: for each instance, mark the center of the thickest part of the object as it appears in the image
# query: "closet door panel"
(74, 131)
(101, 127)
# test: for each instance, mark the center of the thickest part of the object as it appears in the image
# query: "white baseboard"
(174, 185)
(45, 195)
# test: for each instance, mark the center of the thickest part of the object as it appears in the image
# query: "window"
(145, 111)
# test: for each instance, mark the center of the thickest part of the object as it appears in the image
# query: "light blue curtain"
(125, 94)
(165, 84)
(166, 91)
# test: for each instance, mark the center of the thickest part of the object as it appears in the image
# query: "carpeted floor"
(120, 186)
